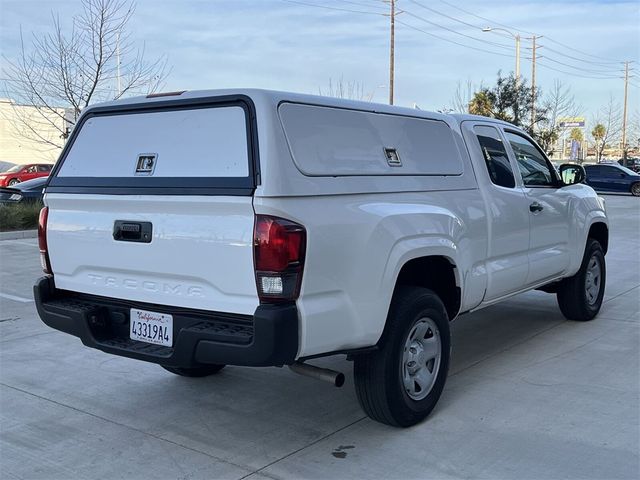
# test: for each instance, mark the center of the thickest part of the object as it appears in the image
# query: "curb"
(18, 234)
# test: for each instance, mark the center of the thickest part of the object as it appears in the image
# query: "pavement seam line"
(620, 294)
(25, 337)
(16, 298)
(129, 427)
(324, 437)
(507, 348)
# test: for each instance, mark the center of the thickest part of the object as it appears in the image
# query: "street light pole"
(534, 57)
(517, 60)
(392, 50)
(624, 114)
(516, 36)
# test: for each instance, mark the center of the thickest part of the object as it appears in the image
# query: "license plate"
(151, 327)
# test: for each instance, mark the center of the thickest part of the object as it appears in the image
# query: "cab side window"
(533, 166)
(495, 156)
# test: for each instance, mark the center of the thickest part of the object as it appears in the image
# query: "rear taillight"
(42, 240)
(279, 248)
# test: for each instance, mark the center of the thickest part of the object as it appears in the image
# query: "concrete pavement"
(530, 395)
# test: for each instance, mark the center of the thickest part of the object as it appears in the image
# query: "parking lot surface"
(529, 395)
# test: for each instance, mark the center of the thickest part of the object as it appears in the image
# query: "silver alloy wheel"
(635, 189)
(421, 358)
(593, 280)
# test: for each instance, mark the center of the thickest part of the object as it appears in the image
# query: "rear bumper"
(268, 338)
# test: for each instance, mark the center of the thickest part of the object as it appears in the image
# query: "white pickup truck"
(247, 227)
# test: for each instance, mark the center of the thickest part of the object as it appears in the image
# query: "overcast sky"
(288, 46)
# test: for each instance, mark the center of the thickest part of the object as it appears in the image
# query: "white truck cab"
(248, 227)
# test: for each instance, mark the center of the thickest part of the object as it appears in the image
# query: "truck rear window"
(170, 148)
(328, 141)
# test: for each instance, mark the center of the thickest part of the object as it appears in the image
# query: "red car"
(22, 173)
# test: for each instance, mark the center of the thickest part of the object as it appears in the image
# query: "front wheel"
(202, 371)
(580, 296)
(400, 383)
(13, 181)
(635, 189)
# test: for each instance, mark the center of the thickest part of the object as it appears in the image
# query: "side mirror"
(570, 173)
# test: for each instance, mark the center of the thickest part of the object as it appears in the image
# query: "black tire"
(13, 181)
(202, 371)
(379, 375)
(573, 298)
(635, 189)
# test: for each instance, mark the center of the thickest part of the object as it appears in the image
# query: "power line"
(582, 53)
(579, 59)
(479, 27)
(597, 72)
(501, 45)
(573, 74)
(594, 71)
(600, 73)
(606, 60)
(584, 72)
(326, 7)
(406, 25)
(453, 41)
(363, 4)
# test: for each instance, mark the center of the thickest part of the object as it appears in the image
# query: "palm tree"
(599, 133)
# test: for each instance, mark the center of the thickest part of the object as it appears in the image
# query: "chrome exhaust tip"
(325, 374)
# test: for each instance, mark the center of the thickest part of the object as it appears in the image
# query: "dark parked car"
(22, 173)
(632, 164)
(612, 177)
(29, 191)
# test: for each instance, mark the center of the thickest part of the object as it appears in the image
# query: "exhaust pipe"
(331, 376)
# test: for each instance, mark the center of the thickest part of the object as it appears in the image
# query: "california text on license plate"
(151, 327)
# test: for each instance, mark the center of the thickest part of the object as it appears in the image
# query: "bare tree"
(608, 127)
(62, 72)
(633, 133)
(350, 90)
(463, 96)
(559, 103)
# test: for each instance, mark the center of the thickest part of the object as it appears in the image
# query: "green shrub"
(19, 216)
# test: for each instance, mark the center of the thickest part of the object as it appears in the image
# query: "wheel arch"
(438, 273)
(600, 231)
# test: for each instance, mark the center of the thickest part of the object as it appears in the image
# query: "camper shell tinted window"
(326, 141)
(207, 147)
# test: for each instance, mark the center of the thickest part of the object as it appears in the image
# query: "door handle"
(535, 207)
(124, 231)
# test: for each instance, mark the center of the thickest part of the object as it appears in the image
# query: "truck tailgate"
(200, 254)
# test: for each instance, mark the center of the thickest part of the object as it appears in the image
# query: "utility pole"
(517, 60)
(392, 50)
(533, 80)
(624, 114)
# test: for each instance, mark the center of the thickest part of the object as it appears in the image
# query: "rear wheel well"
(437, 274)
(600, 232)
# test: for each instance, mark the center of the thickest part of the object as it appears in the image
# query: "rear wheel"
(400, 383)
(202, 371)
(13, 181)
(635, 189)
(580, 297)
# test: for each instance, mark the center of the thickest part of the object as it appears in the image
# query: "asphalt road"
(530, 395)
